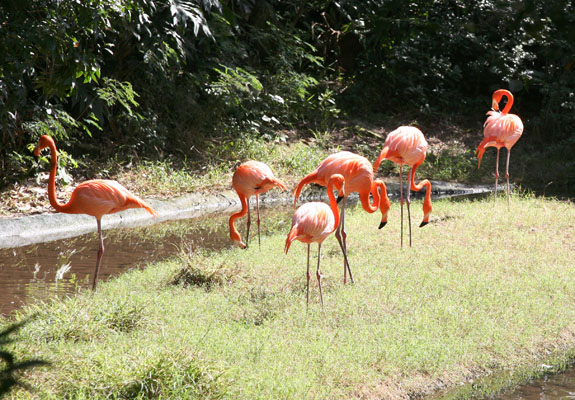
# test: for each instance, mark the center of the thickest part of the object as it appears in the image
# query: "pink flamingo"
(407, 145)
(251, 177)
(358, 174)
(500, 130)
(95, 197)
(313, 222)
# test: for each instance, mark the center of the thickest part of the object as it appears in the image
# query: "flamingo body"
(359, 177)
(96, 197)
(501, 129)
(314, 222)
(251, 178)
(407, 145)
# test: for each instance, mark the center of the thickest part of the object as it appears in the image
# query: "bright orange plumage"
(314, 222)
(95, 197)
(358, 174)
(407, 145)
(501, 129)
(251, 178)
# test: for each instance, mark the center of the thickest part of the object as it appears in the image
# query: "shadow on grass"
(10, 368)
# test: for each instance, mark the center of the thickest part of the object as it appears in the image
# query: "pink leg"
(408, 201)
(340, 235)
(308, 277)
(507, 177)
(258, 220)
(249, 223)
(99, 256)
(496, 175)
(401, 198)
(318, 273)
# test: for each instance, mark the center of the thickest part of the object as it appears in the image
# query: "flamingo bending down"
(500, 130)
(313, 223)
(95, 197)
(358, 174)
(407, 145)
(251, 177)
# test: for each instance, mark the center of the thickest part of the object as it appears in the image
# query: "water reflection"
(63, 267)
(554, 387)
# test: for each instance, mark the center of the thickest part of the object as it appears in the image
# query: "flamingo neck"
(364, 198)
(234, 234)
(509, 104)
(52, 181)
(333, 204)
(384, 203)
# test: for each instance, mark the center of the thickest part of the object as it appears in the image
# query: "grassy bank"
(483, 291)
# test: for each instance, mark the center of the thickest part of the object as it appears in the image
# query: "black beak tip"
(423, 224)
(382, 224)
(339, 198)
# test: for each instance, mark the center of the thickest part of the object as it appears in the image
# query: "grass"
(484, 292)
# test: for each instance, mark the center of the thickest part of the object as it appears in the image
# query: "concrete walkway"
(22, 231)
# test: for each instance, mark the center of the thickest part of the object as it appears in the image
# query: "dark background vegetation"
(168, 78)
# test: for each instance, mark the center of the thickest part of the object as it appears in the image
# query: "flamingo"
(407, 145)
(358, 174)
(500, 130)
(313, 222)
(94, 197)
(251, 177)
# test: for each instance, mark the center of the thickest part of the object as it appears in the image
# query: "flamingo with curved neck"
(95, 197)
(359, 177)
(501, 129)
(407, 145)
(313, 222)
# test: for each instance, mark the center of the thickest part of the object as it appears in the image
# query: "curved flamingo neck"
(52, 181)
(384, 203)
(333, 204)
(234, 234)
(364, 198)
(510, 99)
(418, 187)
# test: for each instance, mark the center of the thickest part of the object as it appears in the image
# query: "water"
(64, 267)
(554, 387)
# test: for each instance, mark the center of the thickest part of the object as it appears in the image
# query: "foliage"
(163, 77)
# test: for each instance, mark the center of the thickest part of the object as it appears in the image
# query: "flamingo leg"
(341, 236)
(249, 223)
(507, 176)
(496, 175)
(318, 273)
(308, 277)
(401, 199)
(409, 179)
(99, 256)
(258, 220)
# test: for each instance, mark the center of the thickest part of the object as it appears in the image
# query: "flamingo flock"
(313, 222)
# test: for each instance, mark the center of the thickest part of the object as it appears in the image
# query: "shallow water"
(64, 267)
(554, 387)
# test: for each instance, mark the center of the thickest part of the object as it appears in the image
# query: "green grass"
(484, 292)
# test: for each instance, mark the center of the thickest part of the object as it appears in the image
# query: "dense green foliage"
(161, 77)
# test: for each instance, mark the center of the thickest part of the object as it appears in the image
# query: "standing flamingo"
(407, 145)
(313, 223)
(358, 174)
(95, 197)
(500, 130)
(251, 177)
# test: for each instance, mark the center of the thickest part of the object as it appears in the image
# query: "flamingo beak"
(495, 105)
(423, 224)
(382, 224)
(339, 198)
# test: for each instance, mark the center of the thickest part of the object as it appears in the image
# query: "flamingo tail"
(137, 202)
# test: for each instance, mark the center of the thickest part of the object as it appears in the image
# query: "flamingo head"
(498, 95)
(426, 213)
(235, 236)
(45, 141)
